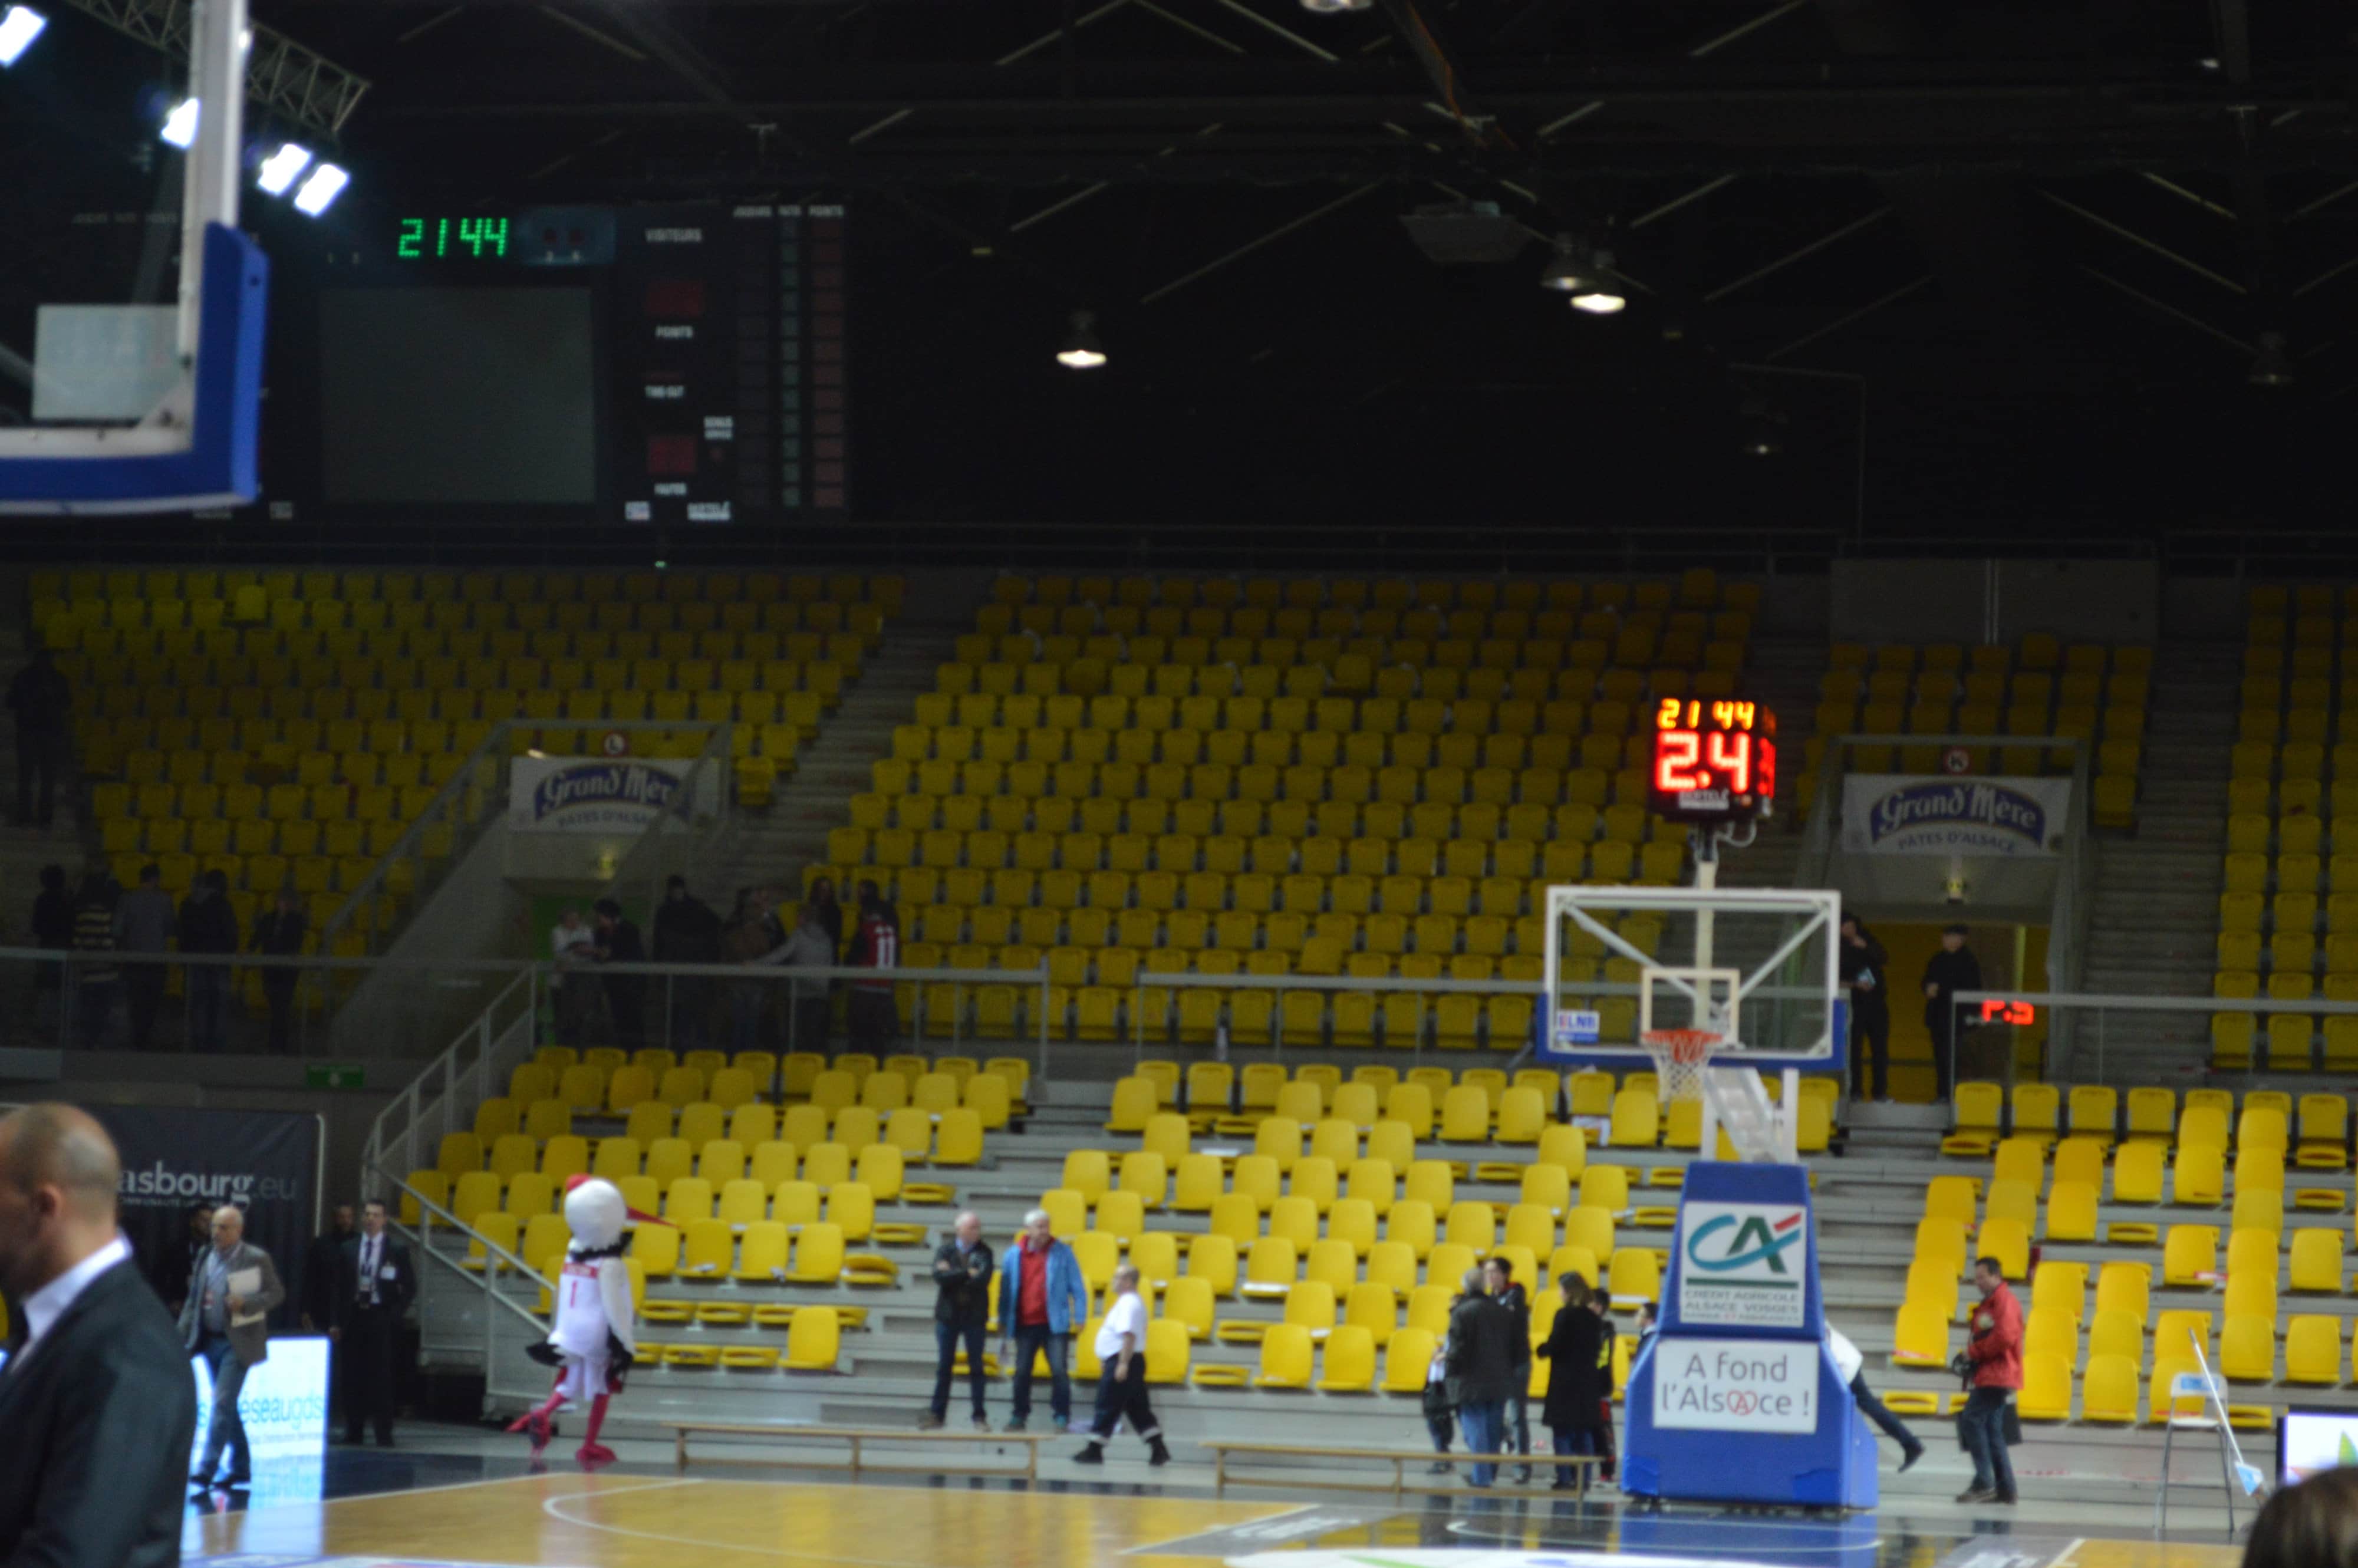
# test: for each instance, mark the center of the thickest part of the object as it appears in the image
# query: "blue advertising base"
(1833, 1465)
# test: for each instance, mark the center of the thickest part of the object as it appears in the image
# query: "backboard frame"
(1818, 910)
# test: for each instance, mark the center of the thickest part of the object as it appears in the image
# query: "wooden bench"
(1398, 1458)
(853, 1437)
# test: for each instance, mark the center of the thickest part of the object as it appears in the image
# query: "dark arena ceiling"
(2041, 250)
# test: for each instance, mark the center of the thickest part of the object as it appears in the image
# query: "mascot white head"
(595, 1213)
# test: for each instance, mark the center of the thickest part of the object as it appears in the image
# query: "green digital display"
(468, 239)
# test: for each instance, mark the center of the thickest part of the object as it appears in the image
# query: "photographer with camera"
(1991, 1366)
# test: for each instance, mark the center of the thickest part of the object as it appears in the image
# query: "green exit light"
(478, 239)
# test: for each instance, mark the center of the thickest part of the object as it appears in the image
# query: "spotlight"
(19, 26)
(280, 170)
(1762, 428)
(1568, 269)
(1600, 301)
(181, 124)
(327, 183)
(1329, 7)
(2271, 366)
(1083, 348)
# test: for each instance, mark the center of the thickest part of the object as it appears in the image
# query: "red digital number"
(1995, 1010)
(1730, 755)
(1676, 754)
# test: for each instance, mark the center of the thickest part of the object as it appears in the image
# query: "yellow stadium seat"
(2108, 1390)
(2189, 1252)
(2313, 1351)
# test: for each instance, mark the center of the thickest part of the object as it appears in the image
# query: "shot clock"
(1714, 760)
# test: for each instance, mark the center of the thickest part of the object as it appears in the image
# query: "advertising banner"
(1908, 814)
(1743, 1264)
(601, 794)
(1736, 1385)
(266, 1162)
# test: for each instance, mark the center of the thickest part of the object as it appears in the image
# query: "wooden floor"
(566, 1519)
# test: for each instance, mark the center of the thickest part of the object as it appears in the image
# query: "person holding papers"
(227, 1321)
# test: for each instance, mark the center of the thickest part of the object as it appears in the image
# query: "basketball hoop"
(1680, 1057)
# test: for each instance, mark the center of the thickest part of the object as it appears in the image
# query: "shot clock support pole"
(1706, 842)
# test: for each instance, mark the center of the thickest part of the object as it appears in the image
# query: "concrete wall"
(1975, 600)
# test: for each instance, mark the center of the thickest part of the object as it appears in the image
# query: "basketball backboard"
(145, 387)
(1758, 965)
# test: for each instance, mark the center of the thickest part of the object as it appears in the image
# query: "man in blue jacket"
(1042, 1302)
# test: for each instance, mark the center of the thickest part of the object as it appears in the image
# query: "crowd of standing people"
(120, 941)
(600, 1001)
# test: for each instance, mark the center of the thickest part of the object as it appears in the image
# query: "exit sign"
(334, 1075)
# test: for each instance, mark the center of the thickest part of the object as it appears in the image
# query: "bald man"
(96, 1400)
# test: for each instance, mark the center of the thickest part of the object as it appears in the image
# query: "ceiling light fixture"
(280, 170)
(1083, 348)
(181, 124)
(2271, 366)
(1568, 269)
(1601, 300)
(326, 183)
(19, 26)
(1330, 8)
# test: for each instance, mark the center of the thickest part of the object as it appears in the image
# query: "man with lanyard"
(373, 1287)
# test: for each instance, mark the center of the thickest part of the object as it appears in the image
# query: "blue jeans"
(1515, 1419)
(1481, 1423)
(946, 1337)
(1033, 1338)
(227, 1427)
(1982, 1426)
(1573, 1440)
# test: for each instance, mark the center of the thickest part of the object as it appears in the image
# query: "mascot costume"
(591, 1342)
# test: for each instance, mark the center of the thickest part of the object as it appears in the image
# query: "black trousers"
(1870, 1044)
(40, 753)
(811, 1024)
(143, 987)
(1941, 1022)
(948, 1338)
(626, 1003)
(1873, 1409)
(278, 990)
(872, 1019)
(1120, 1396)
(372, 1338)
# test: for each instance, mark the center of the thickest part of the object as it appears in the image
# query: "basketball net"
(1681, 1059)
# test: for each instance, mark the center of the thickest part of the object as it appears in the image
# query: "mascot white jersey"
(591, 1342)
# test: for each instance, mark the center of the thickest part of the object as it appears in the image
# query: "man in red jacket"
(1994, 1352)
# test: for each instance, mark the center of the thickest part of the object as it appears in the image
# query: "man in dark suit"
(374, 1284)
(96, 1400)
(226, 1320)
(321, 1259)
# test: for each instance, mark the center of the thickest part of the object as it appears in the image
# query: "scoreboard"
(707, 361)
(1714, 760)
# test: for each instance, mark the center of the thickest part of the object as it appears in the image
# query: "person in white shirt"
(1121, 1389)
(1847, 1364)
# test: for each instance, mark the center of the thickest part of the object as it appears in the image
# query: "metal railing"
(475, 1064)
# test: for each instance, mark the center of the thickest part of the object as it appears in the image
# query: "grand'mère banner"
(601, 794)
(267, 1162)
(1906, 814)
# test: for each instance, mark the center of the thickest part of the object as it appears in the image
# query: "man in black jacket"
(1481, 1369)
(1951, 969)
(1515, 1418)
(278, 934)
(208, 924)
(44, 707)
(687, 932)
(962, 1267)
(626, 995)
(97, 1405)
(374, 1285)
(320, 1262)
(1861, 965)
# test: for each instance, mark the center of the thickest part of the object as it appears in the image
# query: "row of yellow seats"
(955, 1138)
(1330, 1301)
(2289, 949)
(2307, 629)
(2246, 1352)
(1207, 894)
(322, 634)
(2308, 598)
(1698, 587)
(1101, 1014)
(737, 1092)
(360, 586)
(2253, 909)
(1183, 941)
(1991, 689)
(1244, 911)
(2253, 833)
(2248, 872)
(206, 838)
(1488, 745)
(753, 692)
(650, 1126)
(125, 748)
(1636, 661)
(284, 609)
(1392, 784)
(792, 1075)
(2246, 985)
(1302, 621)
(1340, 836)
(2121, 723)
(2294, 797)
(182, 783)
(2303, 761)
(1348, 675)
(2311, 662)
(878, 1176)
(1432, 851)
(2290, 1042)
(2300, 726)
(1529, 707)
(2038, 651)
(394, 719)
(2153, 1113)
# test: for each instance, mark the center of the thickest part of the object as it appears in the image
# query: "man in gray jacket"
(143, 923)
(227, 1321)
(809, 945)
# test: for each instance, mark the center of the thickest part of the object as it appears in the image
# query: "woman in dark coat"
(1573, 1350)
